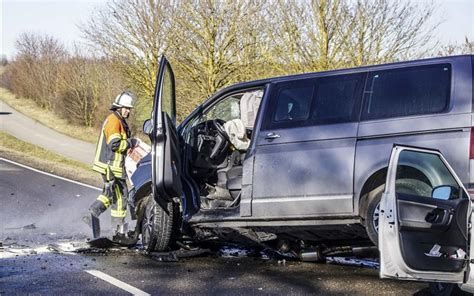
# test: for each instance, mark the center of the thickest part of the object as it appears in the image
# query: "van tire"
(157, 225)
(411, 186)
(372, 217)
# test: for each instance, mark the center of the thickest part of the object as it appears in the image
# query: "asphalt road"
(32, 262)
(28, 130)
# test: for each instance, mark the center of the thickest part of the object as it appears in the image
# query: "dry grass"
(48, 118)
(34, 156)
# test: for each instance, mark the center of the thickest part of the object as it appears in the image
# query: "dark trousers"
(114, 194)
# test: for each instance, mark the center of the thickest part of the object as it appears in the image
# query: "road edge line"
(118, 283)
(49, 174)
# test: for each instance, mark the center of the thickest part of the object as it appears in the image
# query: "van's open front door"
(166, 161)
(424, 218)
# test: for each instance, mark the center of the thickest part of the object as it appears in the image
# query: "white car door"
(424, 219)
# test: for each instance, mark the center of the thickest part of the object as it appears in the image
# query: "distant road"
(28, 130)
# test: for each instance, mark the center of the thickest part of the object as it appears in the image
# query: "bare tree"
(326, 34)
(87, 87)
(134, 34)
(214, 45)
(211, 43)
(34, 73)
(453, 49)
(314, 33)
(384, 31)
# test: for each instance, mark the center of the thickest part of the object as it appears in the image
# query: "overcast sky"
(61, 18)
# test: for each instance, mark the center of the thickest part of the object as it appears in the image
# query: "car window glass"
(425, 174)
(407, 91)
(167, 94)
(227, 109)
(335, 99)
(322, 100)
(293, 104)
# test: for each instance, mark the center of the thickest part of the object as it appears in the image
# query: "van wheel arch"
(373, 182)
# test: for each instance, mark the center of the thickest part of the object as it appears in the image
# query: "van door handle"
(272, 136)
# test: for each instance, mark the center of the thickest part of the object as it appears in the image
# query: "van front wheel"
(157, 225)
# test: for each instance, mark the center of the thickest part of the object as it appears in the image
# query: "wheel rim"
(148, 225)
(375, 218)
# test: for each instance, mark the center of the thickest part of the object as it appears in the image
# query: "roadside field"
(48, 118)
(39, 158)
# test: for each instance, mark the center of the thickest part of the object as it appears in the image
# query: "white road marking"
(49, 174)
(116, 282)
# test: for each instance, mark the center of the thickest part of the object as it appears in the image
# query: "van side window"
(293, 103)
(408, 91)
(336, 99)
(322, 100)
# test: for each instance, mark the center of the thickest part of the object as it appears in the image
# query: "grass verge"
(48, 118)
(14, 149)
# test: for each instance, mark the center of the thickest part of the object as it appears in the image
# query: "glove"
(133, 142)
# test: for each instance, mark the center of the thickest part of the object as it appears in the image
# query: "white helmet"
(124, 99)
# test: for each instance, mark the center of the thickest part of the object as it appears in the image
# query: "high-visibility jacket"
(112, 146)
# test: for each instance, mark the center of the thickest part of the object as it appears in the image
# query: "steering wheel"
(222, 139)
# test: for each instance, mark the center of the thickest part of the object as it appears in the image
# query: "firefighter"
(114, 141)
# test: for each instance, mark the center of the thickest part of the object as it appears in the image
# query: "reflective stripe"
(113, 136)
(104, 200)
(118, 214)
(123, 145)
(98, 169)
(109, 173)
(99, 146)
(98, 165)
(101, 165)
(118, 194)
(116, 170)
(117, 159)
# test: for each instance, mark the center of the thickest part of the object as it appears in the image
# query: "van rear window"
(407, 91)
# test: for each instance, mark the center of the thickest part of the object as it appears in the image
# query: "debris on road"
(174, 256)
(365, 262)
(89, 250)
(26, 227)
(228, 251)
(66, 247)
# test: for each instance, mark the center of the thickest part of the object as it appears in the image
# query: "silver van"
(298, 161)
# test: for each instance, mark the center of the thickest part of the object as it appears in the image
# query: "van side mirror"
(442, 192)
(147, 127)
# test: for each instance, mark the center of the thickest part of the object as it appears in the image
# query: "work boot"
(123, 236)
(125, 239)
(94, 223)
